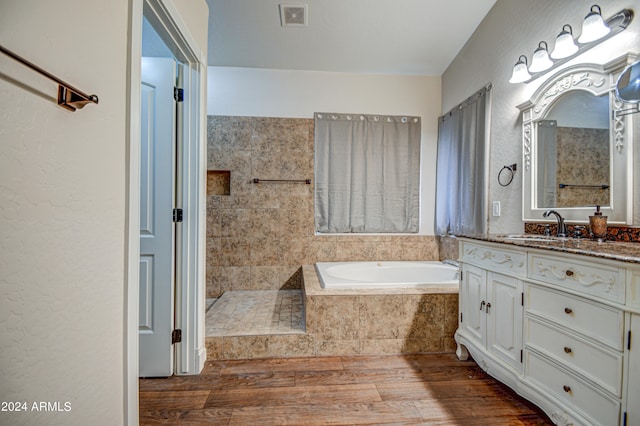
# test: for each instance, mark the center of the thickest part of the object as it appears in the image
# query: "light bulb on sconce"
(540, 60)
(593, 26)
(565, 46)
(520, 73)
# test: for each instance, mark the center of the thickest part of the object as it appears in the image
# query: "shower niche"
(218, 182)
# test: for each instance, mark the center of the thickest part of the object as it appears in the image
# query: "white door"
(157, 171)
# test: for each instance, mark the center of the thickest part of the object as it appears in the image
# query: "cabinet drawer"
(592, 319)
(593, 361)
(600, 280)
(594, 405)
(495, 259)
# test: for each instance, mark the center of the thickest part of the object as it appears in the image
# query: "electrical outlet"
(496, 208)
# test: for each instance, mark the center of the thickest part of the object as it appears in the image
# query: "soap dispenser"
(598, 224)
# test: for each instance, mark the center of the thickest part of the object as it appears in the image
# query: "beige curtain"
(461, 184)
(367, 173)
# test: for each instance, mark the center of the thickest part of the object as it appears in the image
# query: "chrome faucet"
(562, 228)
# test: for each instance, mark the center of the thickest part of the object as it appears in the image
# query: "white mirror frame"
(598, 80)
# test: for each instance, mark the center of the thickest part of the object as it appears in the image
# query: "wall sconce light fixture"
(593, 26)
(520, 71)
(540, 61)
(565, 45)
(594, 31)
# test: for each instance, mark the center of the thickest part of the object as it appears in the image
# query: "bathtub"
(356, 275)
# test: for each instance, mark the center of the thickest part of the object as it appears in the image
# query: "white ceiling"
(414, 37)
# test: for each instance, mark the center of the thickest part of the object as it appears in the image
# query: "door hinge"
(629, 340)
(178, 94)
(460, 316)
(521, 356)
(624, 419)
(521, 299)
(176, 336)
(177, 215)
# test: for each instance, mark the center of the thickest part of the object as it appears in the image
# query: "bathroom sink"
(534, 238)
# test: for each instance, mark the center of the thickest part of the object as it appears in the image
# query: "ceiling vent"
(293, 15)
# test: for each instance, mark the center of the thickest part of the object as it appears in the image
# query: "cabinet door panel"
(473, 288)
(633, 375)
(504, 318)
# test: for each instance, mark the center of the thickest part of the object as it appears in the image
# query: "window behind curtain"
(367, 173)
(461, 174)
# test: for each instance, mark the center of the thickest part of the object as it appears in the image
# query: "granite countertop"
(620, 251)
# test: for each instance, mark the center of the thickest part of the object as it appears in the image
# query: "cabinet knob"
(482, 305)
(488, 307)
(569, 272)
(568, 311)
(566, 388)
(567, 350)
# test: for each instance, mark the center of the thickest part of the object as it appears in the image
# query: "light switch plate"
(495, 207)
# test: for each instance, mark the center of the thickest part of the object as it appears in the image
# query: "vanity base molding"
(554, 327)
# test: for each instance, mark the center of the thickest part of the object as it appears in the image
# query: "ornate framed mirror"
(576, 151)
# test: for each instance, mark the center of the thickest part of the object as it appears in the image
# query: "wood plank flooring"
(434, 389)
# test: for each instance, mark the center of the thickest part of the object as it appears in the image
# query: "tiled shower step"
(256, 313)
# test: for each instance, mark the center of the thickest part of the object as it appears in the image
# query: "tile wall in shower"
(259, 235)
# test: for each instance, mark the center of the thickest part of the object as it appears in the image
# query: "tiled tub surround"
(447, 247)
(356, 322)
(379, 321)
(259, 235)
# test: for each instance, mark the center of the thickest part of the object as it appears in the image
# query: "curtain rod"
(306, 181)
(572, 185)
(68, 96)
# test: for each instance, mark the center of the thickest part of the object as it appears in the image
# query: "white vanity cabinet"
(555, 327)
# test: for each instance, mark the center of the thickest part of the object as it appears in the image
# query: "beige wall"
(63, 210)
(513, 28)
(195, 15)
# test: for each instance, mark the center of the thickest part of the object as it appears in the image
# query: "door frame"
(190, 280)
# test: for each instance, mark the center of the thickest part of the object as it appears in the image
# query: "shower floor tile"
(252, 313)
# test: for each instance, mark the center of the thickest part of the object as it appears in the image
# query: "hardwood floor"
(411, 389)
